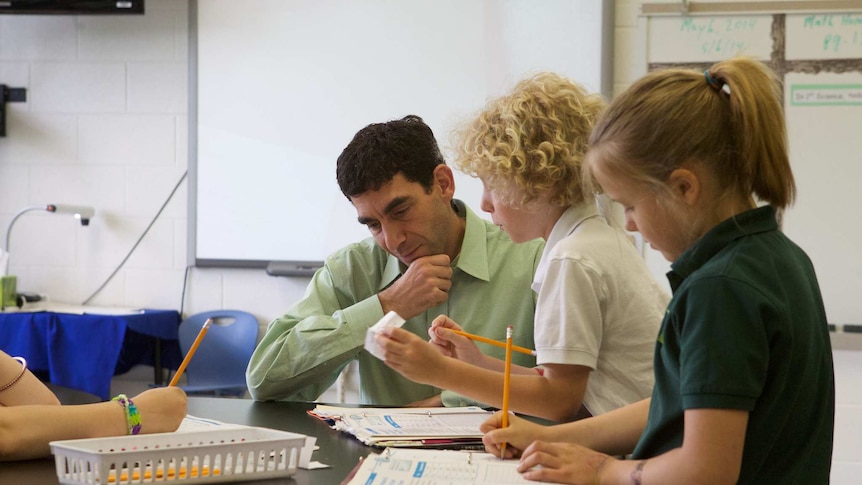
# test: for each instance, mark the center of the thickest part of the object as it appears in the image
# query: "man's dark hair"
(380, 150)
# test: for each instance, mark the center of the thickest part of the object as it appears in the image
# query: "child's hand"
(162, 409)
(408, 354)
(562, 463)
(451, 344)
(517, 436)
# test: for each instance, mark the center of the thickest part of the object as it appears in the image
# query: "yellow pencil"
(191, 352)
(487, 340)
(171, 473)
(507, 374)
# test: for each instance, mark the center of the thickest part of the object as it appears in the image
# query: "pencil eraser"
(391, 319)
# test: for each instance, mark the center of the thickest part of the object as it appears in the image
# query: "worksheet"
(437, 467)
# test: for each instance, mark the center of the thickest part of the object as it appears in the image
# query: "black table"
(67, 395)
(338, 450)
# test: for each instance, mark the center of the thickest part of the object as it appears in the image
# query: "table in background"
(84, 351)
(338, 450)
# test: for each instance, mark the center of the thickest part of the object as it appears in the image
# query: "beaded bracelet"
(133, 418)
(15, 380)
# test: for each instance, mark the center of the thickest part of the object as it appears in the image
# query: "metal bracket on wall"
(9, 95)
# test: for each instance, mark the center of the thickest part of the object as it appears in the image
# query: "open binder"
(431, 467)
(456, 427)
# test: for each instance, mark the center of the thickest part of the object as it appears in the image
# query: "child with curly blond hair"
(598, 308)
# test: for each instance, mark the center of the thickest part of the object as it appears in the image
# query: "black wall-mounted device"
(8, 95)
(72, 7)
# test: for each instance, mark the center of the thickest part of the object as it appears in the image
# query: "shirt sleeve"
(569, 316)
(303, 351)
(724, 350)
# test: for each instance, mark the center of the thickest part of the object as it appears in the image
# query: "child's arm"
(556, 395)
(711, 453)
(615, 433)
(21, 386)
(25, 431)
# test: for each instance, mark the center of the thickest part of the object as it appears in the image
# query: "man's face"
(407, 221)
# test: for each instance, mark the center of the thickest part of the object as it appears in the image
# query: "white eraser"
(391, 319)
(305, 452)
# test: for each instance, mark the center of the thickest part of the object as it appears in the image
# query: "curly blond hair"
(530, 144)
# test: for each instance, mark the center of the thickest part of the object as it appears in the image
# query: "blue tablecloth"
(83, 351)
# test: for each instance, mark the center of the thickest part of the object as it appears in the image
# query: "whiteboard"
(821, 65)
(282, 87)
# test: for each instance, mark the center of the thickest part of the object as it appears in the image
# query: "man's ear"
(445, 180)
(685, 185)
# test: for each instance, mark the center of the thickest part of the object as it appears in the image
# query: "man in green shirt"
(429, 255)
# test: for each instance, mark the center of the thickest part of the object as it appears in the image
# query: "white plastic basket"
(209, 456)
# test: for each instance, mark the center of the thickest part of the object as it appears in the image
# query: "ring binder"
(450, 428)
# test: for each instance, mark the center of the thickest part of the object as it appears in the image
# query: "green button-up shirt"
(304, 351)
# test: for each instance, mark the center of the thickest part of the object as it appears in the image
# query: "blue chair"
(218, 366)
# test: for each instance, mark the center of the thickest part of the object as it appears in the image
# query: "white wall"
(106, 124)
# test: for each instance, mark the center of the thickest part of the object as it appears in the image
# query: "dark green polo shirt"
(746, 329)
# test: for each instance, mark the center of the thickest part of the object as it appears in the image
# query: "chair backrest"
(222, 356)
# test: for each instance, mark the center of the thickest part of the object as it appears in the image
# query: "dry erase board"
(819, 57)
(282, 87)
